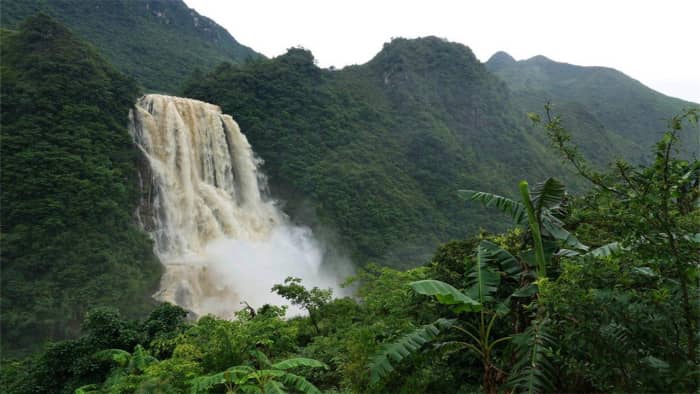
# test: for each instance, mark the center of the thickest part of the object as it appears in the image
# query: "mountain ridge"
(157, 42)
(625, 106)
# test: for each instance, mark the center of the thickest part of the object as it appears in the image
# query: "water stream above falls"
(219, 238)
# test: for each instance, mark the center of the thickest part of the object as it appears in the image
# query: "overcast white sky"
(655, 42)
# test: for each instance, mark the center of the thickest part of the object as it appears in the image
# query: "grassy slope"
(157, 42)
(68, 238)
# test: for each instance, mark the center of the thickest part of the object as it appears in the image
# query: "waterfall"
(220, 240)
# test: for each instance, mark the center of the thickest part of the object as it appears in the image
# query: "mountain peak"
(540, 59)
(500, 59)
(424, 54)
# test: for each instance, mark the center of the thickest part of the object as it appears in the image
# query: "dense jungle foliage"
(156, 42)
(68, 240)
(596, 293)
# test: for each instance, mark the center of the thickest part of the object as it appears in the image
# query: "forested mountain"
(379, 149)
(601, 100)
(156, 42)
(69, 240)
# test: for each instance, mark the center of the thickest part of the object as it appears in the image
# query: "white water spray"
(220, 240)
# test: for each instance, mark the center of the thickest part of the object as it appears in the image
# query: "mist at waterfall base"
(221, 240)
(289, 251)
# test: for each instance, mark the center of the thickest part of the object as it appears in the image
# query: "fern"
(512, 208)
(381, 364)
(533, 371)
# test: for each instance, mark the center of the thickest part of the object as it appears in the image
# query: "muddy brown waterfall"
(220, 240)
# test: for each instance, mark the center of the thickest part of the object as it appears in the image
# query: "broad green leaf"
(547, 194)
(605, 250)
(274, 387)
(87, 389)
(526, 291)
(483, 280)
(499, 256)
(299, 362)
(512, 208)
(446, 294)
(645, 271)
(563, 235)
(121, 357)
(533, 221)
(656, 363)
(693, 237)
(380, 364)
(299, 383)
(533, 372)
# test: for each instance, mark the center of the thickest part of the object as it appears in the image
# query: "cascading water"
(220, 240)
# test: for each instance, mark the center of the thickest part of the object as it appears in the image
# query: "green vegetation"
(68, 240)
(378, 153)
(377, 150)
(618, 315)
(157, 42)
(600, 103)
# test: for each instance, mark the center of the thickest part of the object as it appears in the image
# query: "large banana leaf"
(274, 387)
(483, 280)
(121, 357)
(533, 371)
(605, 250)
(381, 364)
(238, 375)
(512, 208)
(299, 383)
(299, 362)
(446, 294)
(547, 195)
(500, 257)
(558, 232)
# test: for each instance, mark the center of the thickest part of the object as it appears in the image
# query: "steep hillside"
(619, 108)
(68, 239)
(380, 149)
(157, 42)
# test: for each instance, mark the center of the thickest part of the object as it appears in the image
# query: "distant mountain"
(68, 240)
(606, 102)
(157, 42)
(379, 150)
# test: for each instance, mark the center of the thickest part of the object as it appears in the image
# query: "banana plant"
(541, 209)
(483, 281)
(134, 363)
(272, 378)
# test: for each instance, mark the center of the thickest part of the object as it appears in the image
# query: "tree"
(310, 300)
